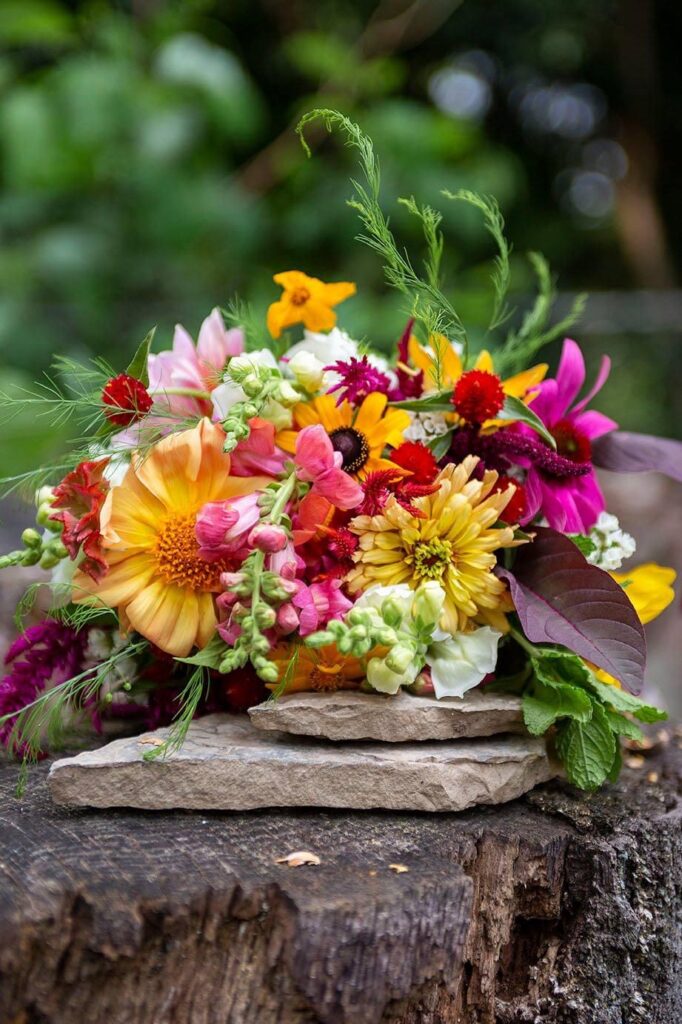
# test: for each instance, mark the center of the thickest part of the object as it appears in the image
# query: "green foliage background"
(150, 171)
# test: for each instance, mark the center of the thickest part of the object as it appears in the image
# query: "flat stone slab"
(228, 764)
(349, 715)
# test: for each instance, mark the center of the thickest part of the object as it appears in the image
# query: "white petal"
(462, 661)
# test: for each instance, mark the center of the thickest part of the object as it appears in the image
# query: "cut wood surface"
(557, 908)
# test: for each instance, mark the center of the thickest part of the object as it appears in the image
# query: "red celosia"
(383, 484)
(127, 398)
(358, 379)
(418, 459)
(80, 497)
(478, 396)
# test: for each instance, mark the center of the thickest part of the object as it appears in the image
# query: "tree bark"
(558, 908)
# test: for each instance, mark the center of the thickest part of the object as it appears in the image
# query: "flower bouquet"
(278, 508)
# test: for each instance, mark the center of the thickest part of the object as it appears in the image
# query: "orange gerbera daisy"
(323, 669)
(360, 435)
(156, 578)
(306, 300)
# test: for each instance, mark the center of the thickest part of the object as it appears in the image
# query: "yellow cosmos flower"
(361, 436)
(442, 368)
(158, 582)
(306, 300)
(650, 590)
(454, 544)
(323, 670)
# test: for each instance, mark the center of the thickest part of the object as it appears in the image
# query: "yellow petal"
(521, 383)
(484, 361)
(126, 575)
(292, 279)
(166, 615)
(370, 412)
(649, 588)
(317, 315)
(282, 314)
(336, 292)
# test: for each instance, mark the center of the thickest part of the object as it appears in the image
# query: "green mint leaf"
(555, 668)
(587, 749)
(621, 700)
(616, 766)
(623, 726)
(544, 705)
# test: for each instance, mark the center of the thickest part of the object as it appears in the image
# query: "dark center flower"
(353, 446)
(300, 296)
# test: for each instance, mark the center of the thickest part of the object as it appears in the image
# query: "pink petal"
(600, 381)
(211, 342)
(339, 488)
(571, 374)
(594, 424)
(314, 453)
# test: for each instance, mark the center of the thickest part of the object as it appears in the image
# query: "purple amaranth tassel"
(49, 652)
(541, 455)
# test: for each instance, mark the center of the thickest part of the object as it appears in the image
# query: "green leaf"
(587, 749)
(515, 411)
(209, 656)
(544, 705)
(138, 365)
(440, 445)
(585, 544)
(623, 726)
(556, 668)
(440, 402)
(616, 766)
(621, 700)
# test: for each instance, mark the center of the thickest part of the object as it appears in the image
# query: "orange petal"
(332, 294)
(291, 279)
(166, 615)
(317, 315)
(126, 575)
(281, 314)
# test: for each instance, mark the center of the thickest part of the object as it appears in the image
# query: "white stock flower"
(426, 425)
(613, 545)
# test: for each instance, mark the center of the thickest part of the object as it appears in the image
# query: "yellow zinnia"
(360, 435)
(306, 300)
(650, 590)
(442, 368)
(454, 544)
(157, 580)
(323, 669)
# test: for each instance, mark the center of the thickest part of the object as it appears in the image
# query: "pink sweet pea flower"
(200, 368)
(317, 463)
(570, 503)
(222, 526)
(257, 453)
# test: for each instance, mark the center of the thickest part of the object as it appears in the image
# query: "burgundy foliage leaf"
(561, 599)
(623, 452)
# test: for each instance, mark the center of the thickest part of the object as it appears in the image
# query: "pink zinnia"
(570, 503)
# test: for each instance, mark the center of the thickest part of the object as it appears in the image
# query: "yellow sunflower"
(360, 435)
(306, 300)
(323, 670)
(454, 544)
(157, 580)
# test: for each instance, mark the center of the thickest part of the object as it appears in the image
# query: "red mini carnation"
(418, 459)
(385, 483)
(80, 496)
(478, 396)
(128, 397)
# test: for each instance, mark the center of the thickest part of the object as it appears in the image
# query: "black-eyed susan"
(361, 435)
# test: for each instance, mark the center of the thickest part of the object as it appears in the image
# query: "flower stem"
(184, 392)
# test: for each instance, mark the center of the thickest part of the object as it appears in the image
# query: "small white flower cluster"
(426, 425)
(613, 545)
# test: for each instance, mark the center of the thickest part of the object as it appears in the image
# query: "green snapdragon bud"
(400, 658)
(31, 538)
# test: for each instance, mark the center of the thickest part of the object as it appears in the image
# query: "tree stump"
(558, 908)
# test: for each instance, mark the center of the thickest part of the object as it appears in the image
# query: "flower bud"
(400, 658)
(287, 618)
(428, 603)
(44, 496)
(268, 538)
(308, 370)
(423, 684)
(285, 393)
(252, 386)
(31, 538)
(268, 672)
(392, 612)
(265, 616)
(56, 548)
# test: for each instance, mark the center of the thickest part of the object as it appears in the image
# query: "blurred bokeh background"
(150, 171)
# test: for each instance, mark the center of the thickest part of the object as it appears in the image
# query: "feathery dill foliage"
(430, 306)
(189, 699)
(45, 719)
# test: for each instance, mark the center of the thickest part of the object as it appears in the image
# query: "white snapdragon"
(458, 661)
(307, 370)
(333, 347)
(612, 544)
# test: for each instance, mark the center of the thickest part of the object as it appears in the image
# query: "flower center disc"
(300, 296)
(178, 559)
(353, 446)
(570, 442)
(431, 558)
